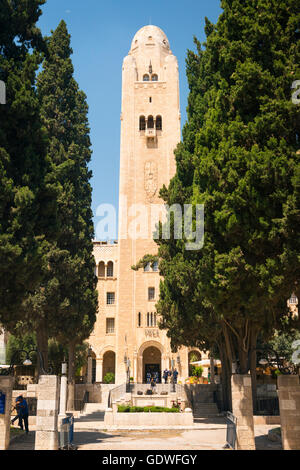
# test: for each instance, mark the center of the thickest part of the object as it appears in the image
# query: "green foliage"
(65, 304)
(240, 158)
(197, 371)
(26, 207)
(109, 378)
(282, 342)
(146, 409)
(26, 342)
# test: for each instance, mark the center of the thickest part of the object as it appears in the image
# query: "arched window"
(142, 123)
(139, 319)
(146, 78)
(158, 123)
(155, 266)
(150, 122)
(154, 78)
(110, 269)
(101, 269)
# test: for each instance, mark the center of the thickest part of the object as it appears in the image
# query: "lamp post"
(63, 390)
(172, 368)
(27, 361)
(128, 364)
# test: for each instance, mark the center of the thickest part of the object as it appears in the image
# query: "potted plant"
(109, 378)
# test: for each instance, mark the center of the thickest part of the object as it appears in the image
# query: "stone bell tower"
(150, 131)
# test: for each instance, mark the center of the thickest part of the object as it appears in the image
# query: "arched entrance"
(109, 363)
(152, 363)
(194, 356)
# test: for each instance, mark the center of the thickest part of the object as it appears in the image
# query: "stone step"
(93, 408)
(203, 410)
(204, 405)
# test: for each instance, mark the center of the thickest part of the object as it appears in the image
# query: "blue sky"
(102, 32)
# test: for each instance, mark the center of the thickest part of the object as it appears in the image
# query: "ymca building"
(126, 338)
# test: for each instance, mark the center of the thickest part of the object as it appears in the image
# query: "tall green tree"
(68, 294)
(25, 196)
(239, 157)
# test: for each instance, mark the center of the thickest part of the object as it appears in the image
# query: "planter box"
(148, 419)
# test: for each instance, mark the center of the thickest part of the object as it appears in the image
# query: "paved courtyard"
(211, 437)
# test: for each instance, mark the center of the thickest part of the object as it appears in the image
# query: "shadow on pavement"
(91, 437)
(23, 442)
(263, 443)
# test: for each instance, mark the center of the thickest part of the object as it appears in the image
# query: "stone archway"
(109, 363)
(194, 356)
(150, 358)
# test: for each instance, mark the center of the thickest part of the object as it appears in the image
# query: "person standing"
(148, 377)
(17, 408)
(166, 375)
(175, 375)
(23, 414)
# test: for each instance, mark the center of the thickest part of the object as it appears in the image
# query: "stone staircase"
(202, 401)
(205, 410)
(92, 412)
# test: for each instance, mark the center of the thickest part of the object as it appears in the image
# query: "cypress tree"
(240, 158)
(69, 290)
(25, 197)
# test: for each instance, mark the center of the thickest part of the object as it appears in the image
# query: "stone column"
(46, 436)
(135, 377)
(6, 385)
(90, 370)
(242, 408)
(63, 392)
(289, 405)
(99, 370)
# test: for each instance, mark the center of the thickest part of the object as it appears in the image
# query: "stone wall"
(148, 419)
(242, 409)
(289, 403)
(46, 437)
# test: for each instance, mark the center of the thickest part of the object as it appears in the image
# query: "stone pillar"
(242, 408)
(90, 370)
(135, 361)
(289, 405)
(46, 436)
(99, 370)
(6, 385)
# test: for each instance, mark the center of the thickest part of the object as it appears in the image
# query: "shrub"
(146, 409)
(197, 371)
(109, 378)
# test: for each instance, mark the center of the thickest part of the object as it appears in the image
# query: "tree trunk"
(71, 377)
(226, 372)
(253, 360)
(42, 346)
(212, 370)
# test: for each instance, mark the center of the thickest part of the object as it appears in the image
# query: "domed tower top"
(150, 36)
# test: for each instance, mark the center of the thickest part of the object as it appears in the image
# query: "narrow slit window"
(158, 123)
(142, 123)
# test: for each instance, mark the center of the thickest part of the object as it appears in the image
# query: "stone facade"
(242, 408)
(46, 436)
(126, 327)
